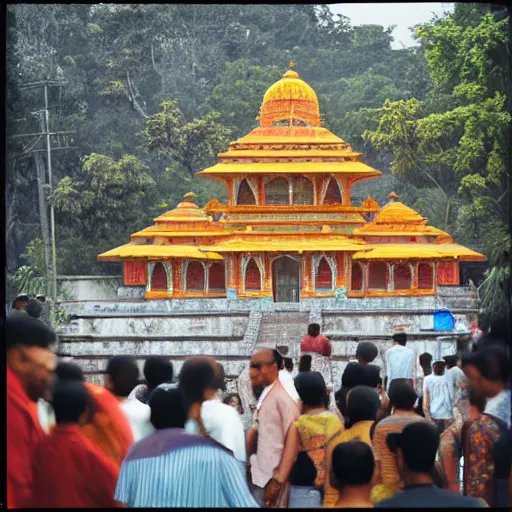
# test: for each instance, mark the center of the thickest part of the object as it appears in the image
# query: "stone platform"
(229, 330)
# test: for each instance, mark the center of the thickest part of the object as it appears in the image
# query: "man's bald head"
(264, 367)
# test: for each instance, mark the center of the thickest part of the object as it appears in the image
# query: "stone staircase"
(459, 298)
(283, 328)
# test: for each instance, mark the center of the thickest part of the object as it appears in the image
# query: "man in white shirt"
(216, 420)
(401, 361)
(122, 376)
(437, 396)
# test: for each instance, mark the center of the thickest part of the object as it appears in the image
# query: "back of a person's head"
(476, 399)
(288, 363)
(363, 404)
(370, 376)
(419, 442)
(491, 362)
(124, 374)
(157, 370)
(353, 464)
(400, 337)
(168, 408)
(450, 361)
(352, 376)
(366, 351)
(314, 330)
(197, 374)
(25, 331)
(305, 363)
(311, 388)
(425, 360)
(69, 401)
(402, 395)
(220, 377)
(279, 358)
(34, 308)
(69, 371)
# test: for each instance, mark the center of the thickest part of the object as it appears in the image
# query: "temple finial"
(393, 196)
(189, 195)
(292, 64)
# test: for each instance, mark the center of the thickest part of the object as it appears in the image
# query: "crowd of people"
(390, 440)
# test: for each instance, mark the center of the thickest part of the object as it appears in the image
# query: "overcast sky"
(402, 15)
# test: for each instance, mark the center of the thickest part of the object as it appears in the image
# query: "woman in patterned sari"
(312, 433)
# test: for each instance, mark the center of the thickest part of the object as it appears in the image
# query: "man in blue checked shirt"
(173, 468)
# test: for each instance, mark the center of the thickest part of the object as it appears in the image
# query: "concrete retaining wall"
(89, 287)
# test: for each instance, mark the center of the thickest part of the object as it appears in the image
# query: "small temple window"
(402, 276)
(425, 276)
(245, 194)
(195, 276)
(159, 278)
(324, 276)
(333, 193)
(303, 191)
(216, 277)
(357, 277)
(277, 191)
(295, 121)
(377, 275)
(252, 276)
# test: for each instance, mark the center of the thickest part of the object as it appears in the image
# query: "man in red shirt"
(70, 471)
(30, 367)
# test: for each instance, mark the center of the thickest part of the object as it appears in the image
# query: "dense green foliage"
(154, 91)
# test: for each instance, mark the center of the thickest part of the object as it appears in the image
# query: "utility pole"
(31, 148)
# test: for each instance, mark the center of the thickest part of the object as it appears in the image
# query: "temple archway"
(402, 277)
(277, 191)
(216, 277)
(303, 191)
(356, 282)
(323, 281)
(377, 275)
(252, 277)
(195, 276)
(159, 278)
(425, 276)
(286, 279)
(333, 193)
(245, 194)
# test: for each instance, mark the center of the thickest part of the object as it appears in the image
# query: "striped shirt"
(172, 468)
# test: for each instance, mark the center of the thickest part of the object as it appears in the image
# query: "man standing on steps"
(275, 412)
(400, 361)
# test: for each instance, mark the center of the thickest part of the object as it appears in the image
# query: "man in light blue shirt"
(173, 468)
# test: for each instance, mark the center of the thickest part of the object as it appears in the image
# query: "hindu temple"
(289, 229)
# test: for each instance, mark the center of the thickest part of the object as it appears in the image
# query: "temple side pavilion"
(289, 229)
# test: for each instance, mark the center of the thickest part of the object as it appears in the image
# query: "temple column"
(261, 190)
(340, 270)
(177, 275)
(267, 274)
(230, 182)
(345, 192)
(414, 284)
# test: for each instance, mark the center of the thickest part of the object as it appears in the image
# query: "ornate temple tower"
(289, 229)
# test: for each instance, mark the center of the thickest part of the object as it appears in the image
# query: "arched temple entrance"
(286, 279)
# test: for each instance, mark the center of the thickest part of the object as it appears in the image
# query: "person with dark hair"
(220, 421)
(30, 367)
(319, 348)
(275, 412)
(173, 468)
(352, 376)
(425, 361)
(34, 308)
(288, 364)
(233, 400)
(366, 352)
(362, 406)
(458, 388)
(415, 448)
(437, 397)
(308, 439)
(450, 444)
(122, 376)
(69, 371)
(486, 440)
(158, 370)
(351, 475)
(85, 476)
(20, 303)
(401, 361)
(402, 398)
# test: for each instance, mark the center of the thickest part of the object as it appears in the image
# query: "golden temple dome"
(397, 213)
(290, 101)
(186, 211)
